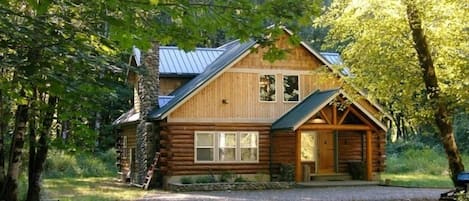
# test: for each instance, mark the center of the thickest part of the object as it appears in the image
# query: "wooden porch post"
(369, 156)
(298, 172)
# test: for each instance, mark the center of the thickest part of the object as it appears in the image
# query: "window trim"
(210, 147)
(216, 152)
(259, 88)
(283, 88)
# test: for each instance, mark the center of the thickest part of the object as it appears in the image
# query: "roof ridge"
(197, 48)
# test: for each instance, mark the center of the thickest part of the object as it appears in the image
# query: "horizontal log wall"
(350, 149)
(177, 149)
(283, 149)
(129, 132)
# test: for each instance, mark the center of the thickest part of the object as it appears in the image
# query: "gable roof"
(332, 57)
(174, 61)
(212, 71)
(132, 116)
(304, 110)
(311, 105)
(228, 55)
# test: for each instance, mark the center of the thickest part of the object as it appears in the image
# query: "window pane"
(204, 139)
(227, 154)
(290, 88)
(204, 154)
(227, 140)
(308, 147)
(248, 154)
(248, 140)
(267, 87)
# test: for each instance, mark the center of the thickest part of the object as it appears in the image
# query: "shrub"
(424, 160)
(262, 176)
(60, 164)
(205, 179)
(240, 179)
(186, 180)
(287, 172)
(226, 176)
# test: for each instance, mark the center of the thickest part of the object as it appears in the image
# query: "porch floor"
(337, 183)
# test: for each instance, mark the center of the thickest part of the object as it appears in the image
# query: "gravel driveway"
(307, 194)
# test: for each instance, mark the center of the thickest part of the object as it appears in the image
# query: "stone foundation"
(177, 187)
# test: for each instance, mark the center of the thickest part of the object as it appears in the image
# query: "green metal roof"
(304, 110)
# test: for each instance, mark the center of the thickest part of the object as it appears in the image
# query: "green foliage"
(417, 180)
(287, 172)
(417, 158)
(418, 165)
(205, 179)
(88, 189)
(422, 160)
(186, 180)
(376, 44)
(240, 179)
(226, 176)
(461, 131)
(60, 164)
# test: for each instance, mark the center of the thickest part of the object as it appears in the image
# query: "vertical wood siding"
(240, 88)
(169, 84)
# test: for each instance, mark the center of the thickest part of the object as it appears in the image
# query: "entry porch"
(328, 138)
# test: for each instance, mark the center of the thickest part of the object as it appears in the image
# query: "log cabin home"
(227, 110)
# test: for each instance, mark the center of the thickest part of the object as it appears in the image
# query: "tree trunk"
(148, 89)
(10, 190)
(442, 114)
(40, 149)
(3, 129)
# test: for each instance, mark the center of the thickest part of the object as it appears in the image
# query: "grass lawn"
(417, 180)
(89, 189)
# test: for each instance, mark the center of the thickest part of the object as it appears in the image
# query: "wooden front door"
(326, 153)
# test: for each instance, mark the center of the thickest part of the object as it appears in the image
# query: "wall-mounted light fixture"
(317, 119)
(224, 101)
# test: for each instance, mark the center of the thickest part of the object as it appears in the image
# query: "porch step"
(320, 184)
(331, 177)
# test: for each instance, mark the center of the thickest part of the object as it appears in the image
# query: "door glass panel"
(308, 146)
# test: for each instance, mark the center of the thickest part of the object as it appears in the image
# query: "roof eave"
(319, 108)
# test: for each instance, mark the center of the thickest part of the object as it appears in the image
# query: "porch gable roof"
(311, 105)
(300, 113)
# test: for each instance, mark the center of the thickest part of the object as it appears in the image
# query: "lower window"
(226, 146)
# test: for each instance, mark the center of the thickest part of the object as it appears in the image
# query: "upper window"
(290, 88)
(267, 88)
(226, 147)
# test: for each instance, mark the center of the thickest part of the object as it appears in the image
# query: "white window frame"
(259, 88)
(216, 147)
(283, 88)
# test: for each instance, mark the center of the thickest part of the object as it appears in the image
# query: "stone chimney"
(147, 88)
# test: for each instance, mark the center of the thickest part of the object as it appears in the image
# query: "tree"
(409, 55)
(53, 67)
(58, 59)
